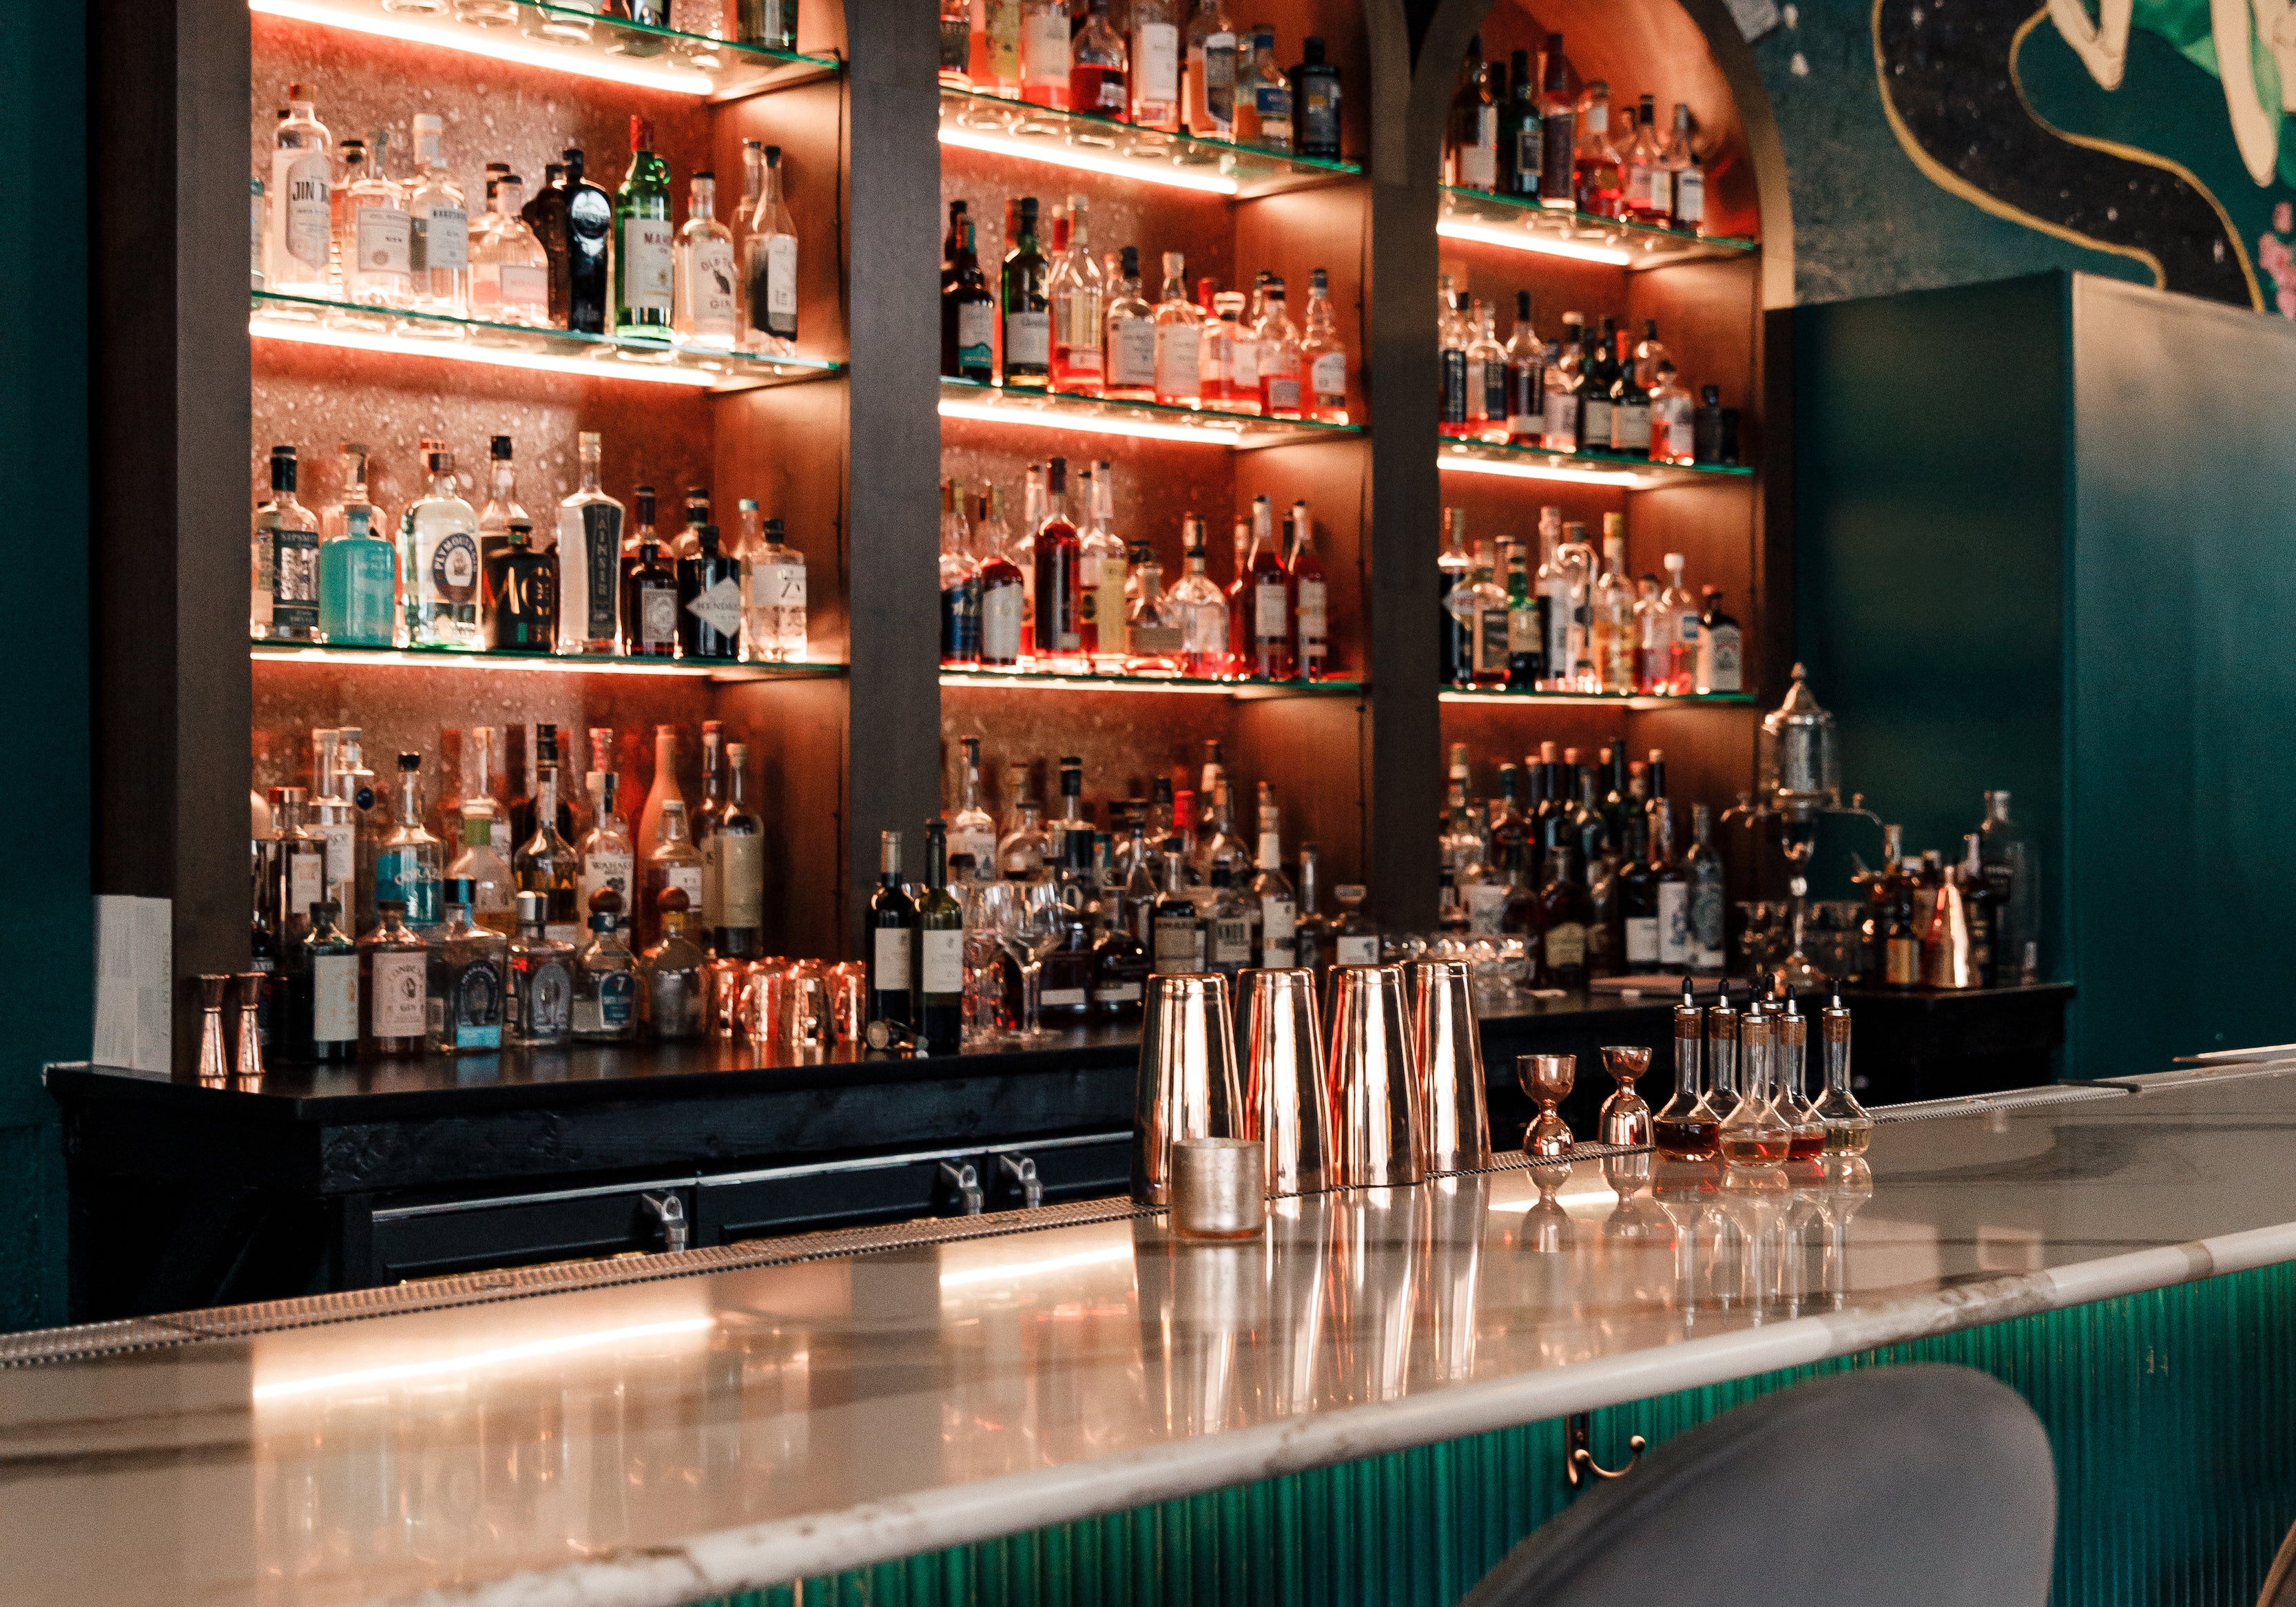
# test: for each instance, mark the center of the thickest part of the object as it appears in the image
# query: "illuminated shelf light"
(1028, 680)
(1140, 421)
(1087, 143)
(311, 322)
(578, 664)
(1524, 226)
(616, 50)
(1528, 462)
(1640, 702)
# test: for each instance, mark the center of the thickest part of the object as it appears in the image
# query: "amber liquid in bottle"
(1755, 1149)
(1684, 1140)
(1806, 1145)
(1848, 1140)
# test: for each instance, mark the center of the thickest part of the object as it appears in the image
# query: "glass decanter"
(1684, 1129)
(1790, 1058)
(1849, 1129)
(1753, 1136)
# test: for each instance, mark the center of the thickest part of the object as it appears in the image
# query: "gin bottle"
(770, 267)
(510, 270)
(540, 1013)
(318, 1020)
(644, 242)
(358, 567)
(283, 561)
(409, 862)
(439, 559)
(773, 627)
(441, 253)
(520, 601)
(502, 505)
(589, 557)
(710, 601)
(705, 304)
(393, 980)
(301, 201)
(373, 238)
(467, 974)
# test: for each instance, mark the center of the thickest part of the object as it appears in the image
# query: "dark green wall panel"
(2167, 1413)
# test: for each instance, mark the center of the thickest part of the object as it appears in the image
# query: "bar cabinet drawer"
(847, 1194)
(1052, 1170)
(432, 1241)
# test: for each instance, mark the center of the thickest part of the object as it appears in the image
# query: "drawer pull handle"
(964, 1181)
(1022, 1170)
(669, 1212)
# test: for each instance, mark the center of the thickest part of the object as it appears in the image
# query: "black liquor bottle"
(589, 226)
(1567, 913)
(709, 601)
(545, 215)
(1027, 306)
(893, 933)
(1315, 103)
(520, 598)
(1064, 979)
(649, 605)
(1520, 148)
(967, 318)
(940, 951)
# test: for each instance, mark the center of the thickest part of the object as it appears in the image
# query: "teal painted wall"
(2166, 1412)
(45, 925)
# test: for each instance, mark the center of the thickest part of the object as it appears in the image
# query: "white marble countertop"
(655, 1442)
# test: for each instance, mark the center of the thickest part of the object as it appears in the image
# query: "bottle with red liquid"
(1686, 1127)
(1238, 596)
(1060, 578)
(1267, 639)
(1311, 646)
(1003, 594)
(1599, 170)
(1790, 1053)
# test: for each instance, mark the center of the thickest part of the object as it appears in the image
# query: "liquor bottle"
(440, 248)
(1209, 88)
(1677, 674)
(545, 863)
(1558, 122)
(502, 503)
(1653, 626)
(1567, 915)
(1120, 958)
(1064, 980)
(482, 867)
(520, 599)
(971, 832)
(409, 862)
(649, 605)
(1099, 66)
(1263, 93)
(1279, 907)
(1470, 154)
(960, 585)
(1176, 941)
(644, 241)
(1486, 379)
(1490, 619)
(546, 216)
(674, 861)
(1215, 357)
(768, 24)
(1612, 622)
(1526, 626)
(1648, 198)
(465, 979)
(283, 561)
(1323, 361)
(1060, 591)
(1231, 924)
(702, 821)
(1203, 611)
(588, 557)
(1525, 380)
(1849, 1127)
(373, 238)
(1459, 395)
(1156, 55)
(1686, 178)
(1559, 430)
(317, 1017)
(590, 229)
(538, 1009)
(1104, 575)
(1268, 600)
(1046, 44)
(940, 951)
(301, 201)
(893, 941)
(1315, 103)
(1307, 595)
(968, 319)
(672, 1001)
(1179, 338)
(440, 563)
(510, 270)
(295, 863)
(1980, 910)
(1130, 345)
(1311, 927)
(1027, 305)
(1519, 137)
(1686, 1128)
(1719, 653)
(1598, 365)
(605, 978)
(995, 56)
(392, 969)
(1942, 916)
(1003, 592)
(1598, 171)
(1155, 628)
(1701, 868)
(773, 591)
(1078, 293)
(1281, 358)
(709, 601)
(1630, 413)
(605, 862)
(704, 300)
(2012, 874)
(1355, 937)
(769, 266)
(1637, 898)
(1673, 424)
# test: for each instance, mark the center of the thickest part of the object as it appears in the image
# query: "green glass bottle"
(940, 970)
(644, 241)
(1028, 307)
(358, 586)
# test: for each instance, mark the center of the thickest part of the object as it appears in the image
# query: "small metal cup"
(807, 1011)
(849, 1001)
(764, 1004)
(1218, 1188)
(1547, 1079)
(248, 1061)
(1187, 1086)
(1449, 1058)
(1378, 1141)
(1284, 1102)
(214, 1069)
(1625, 1116)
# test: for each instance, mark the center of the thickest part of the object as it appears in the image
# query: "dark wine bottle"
(941, 952)
(892, 942)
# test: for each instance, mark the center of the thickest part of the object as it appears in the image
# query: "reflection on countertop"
(666, 1440)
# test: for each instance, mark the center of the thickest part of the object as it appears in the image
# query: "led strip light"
(1524, 240)
(1067, 156)
(499, 45)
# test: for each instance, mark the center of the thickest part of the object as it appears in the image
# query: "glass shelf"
(1142, 421)
(1581, 468)
(1525, 226)
(512, 662)
(337, 323)
(1031, 681)
(567, 39)
(1617, 700)
(1091, 143)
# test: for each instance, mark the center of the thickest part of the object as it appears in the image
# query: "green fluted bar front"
(2169, 1414)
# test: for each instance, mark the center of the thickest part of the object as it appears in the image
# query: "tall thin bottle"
(940, 951)
(769, 266)
(1028, 307)
(283, 561)
(893, 932)
(1060, 594)
(646, 242)
(589, 559)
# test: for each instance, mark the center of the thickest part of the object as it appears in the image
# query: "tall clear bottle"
(1079, 290)
(1106, 572)
(545, 862)
(301, 194)
(1128, 344)
(441, 253)
(373, 238)
(1202, 611)
(1281, 392)
(468, 967)
(1157, 52)
(439, 562)
(283, 561)
(502, 506)
(2012, 874)
(510, 269)
(773, 592)
(1323, 359)
(1179, 338)
(409, 863)
(770, 267)
(705, 297)
(589, 559)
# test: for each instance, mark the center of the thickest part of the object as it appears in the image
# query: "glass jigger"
(1546, 1079)
(1626, 1115)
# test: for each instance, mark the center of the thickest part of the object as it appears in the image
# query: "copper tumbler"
(848, 1000)
(1187, 1086)
(1378, 1141)
(1284, 1102)
(765, 1006)
(1449, 1058)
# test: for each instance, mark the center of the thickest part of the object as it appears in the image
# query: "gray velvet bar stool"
(1887, 1486)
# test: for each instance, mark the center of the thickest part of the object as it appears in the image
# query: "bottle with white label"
(539, 1012)
(439, 563)
(510, 270)
(1355, 940)
(1279, 910)
(302, 198)
(1026, 285)
(335, 819)
(738, 876)
(941, 952)
(439, 238)
(393, 978)
(589, 557)
(971, 829)
(770, 267)
(605, 980)
(1323, 360)
(1128, 353)
(705, 300)
(674, 863)
(373, 240)
(1156, 65)
(892, 941)
(1721, 650)
(317, 1018)
(1179, 338)
(644, 241)
(1044, 62)
(773, 576)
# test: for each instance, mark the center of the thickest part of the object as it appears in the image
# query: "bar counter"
(671, 1429)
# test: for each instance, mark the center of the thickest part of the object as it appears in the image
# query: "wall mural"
(2157, 130)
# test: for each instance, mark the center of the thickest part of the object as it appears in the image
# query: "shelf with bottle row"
(1525, 226)
(1140, 420)
(1087, 143)
(1582, 468)
(574, 39)
(516, 662)
(1641, 702)
(1247, 688)
(349, 326)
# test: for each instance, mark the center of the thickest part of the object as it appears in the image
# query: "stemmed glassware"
(990, 907)
(1033, 931)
